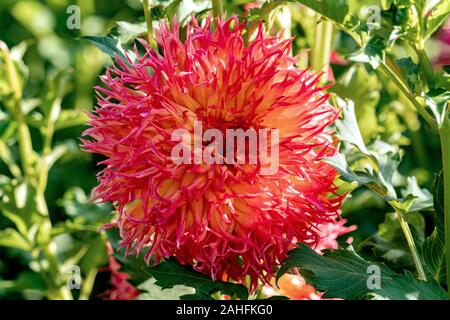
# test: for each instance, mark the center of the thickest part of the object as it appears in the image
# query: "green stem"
(425, 64)
(7, 157)
(25, 145)
(217, 8)
(49, 131)
(444, 132)
(88, 284)
(11, 74)
(420, 108)
(56, 289)
(405, 90)
(148, 21)
(412, 246)
(321, 51)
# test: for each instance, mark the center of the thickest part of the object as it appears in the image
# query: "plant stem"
(7, 157)
(148, 21)
(11, 74)
(25, 145)
(321, 52)
(387, 69)
(444, 133)
(88, 284)
(425, 64)
(26, 153)
(412, 246)
(217, 8)
(405, 90)
(60, 290)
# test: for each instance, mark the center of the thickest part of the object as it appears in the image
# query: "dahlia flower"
(121, 289)
(228, 221)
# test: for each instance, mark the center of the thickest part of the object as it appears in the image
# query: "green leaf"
(372, 53)
(26, 280)
(423, 199)
(443, 81)
(35, 16)
(151, 291)
(433, 250)
(162, 11)
(344, 274)
(67, 118)
(347, 126)
(157, 12)
(7, 157)
(341, 273)
(22, 72)
(19, 198)
(68, 149)
(56, 87)
(403, 205)
(108, 45)
(334, 10)
(437, 17)
(386, 4)
(170, 273)
(128, 31)
(437, 100)
(374, 166)
(395, 253)
(11, 238)
(19, 222)
(172, 9)
(411, 72)
(401, 21)
(357, 85)
(388, 245)
(96, 255)
(340, 164)
(76, 204)
(407, 287)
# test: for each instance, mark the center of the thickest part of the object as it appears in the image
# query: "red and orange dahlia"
(228, 221)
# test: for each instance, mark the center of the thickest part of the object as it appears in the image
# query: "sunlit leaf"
(108, 45)
(11, 238)
(344, 274)
(151, 291)
(437, 17)
(169, 274)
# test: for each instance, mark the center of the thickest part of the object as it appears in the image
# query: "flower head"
(228, 221)
(121, 289)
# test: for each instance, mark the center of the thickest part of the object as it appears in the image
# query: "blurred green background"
(40, 27)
